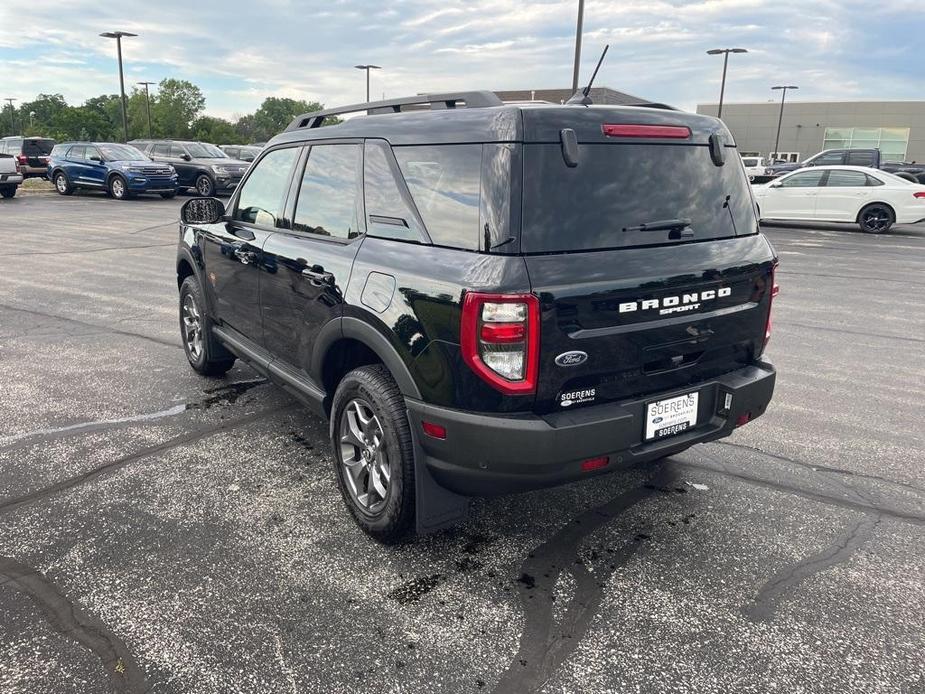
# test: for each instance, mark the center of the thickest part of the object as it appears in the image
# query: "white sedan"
(873, 199)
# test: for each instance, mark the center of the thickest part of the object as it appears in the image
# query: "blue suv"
(122, 170)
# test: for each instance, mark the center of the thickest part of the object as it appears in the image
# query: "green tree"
(47, 109)
(276, 113)
(215, 130)
(177, 105)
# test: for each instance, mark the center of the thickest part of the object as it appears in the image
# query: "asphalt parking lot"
(163, 532)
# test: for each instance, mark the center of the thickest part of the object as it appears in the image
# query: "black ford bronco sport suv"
(485, 298)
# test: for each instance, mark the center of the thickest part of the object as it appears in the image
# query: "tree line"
(176, 112)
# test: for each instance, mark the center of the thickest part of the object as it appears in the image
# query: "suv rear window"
(617, 187)
(37, 147)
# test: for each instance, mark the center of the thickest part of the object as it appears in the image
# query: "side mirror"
(185, 157)
(98, 160)
(202, 211)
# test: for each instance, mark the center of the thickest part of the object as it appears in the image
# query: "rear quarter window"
(444, 181)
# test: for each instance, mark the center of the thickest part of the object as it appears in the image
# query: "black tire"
(118, 188)
(906, 175)
(209, 358)
(876, 218)
(205, 187)
(62, 183)
(169, 196)
(8, 191)
(389, 520)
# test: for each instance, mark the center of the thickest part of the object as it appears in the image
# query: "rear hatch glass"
(35, 147)
(619, 191)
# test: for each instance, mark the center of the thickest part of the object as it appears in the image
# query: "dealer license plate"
(671, 416)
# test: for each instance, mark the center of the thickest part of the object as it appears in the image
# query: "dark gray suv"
(201, 166)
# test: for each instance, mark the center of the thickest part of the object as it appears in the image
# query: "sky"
(241, 51)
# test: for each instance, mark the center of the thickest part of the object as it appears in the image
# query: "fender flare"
(356, 329)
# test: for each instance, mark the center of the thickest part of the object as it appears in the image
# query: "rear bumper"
(11, 179)
(486, 455)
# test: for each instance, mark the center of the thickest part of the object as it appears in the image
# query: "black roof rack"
(482, 99)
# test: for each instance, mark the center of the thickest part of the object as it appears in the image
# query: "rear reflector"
(676, 132)
(503, 332)
(434, 430)
(594, 463)
(743, 419)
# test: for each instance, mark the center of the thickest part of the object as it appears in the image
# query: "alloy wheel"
(203, 186)
(61, 183)
(118, 188)
(192, 327)
(875, 219)
(364, 457)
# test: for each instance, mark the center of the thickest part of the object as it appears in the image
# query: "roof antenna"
(582, 98)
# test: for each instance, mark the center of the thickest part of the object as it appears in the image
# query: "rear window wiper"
(663, 225)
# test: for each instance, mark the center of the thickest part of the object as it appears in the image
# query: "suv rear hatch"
(36, 150)
(645, 255)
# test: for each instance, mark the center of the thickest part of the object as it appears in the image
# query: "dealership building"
(897, 128)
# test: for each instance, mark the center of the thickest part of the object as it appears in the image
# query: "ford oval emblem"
(572, 358)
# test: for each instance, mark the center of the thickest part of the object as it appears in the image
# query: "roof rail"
(480, 99)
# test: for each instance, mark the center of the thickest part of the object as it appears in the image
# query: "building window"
(892, 142)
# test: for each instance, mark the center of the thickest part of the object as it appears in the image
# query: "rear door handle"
(244, 255)
(317, 274)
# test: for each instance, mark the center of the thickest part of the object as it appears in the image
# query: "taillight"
(775, 290)
(920, 194)
(22, 159)
(676, 132)
(500, 339)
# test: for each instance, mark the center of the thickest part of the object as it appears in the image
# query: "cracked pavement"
(167, 533)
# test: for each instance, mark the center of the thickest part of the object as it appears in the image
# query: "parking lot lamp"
(117, 35)
(148, 105)
(722, 88)
(367, 68)
(12, 115)
(780, 118)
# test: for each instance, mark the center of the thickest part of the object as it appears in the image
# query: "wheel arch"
(350, 342)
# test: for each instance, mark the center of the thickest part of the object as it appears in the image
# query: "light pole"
(367, 68)
(12, 115)
(780, 118)
(148, 105)
(722, 88)
(581, 14)
(117, 35)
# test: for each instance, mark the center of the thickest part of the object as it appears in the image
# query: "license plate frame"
(670, 416)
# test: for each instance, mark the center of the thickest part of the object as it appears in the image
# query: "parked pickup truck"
(10, 177)
(850, 157)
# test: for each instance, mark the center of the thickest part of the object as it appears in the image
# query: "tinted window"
(176, 151)
(76, 153)
(829, 159)
(388, 213)
(750, 162)
(806, 179)
(616, 188)
(37, 147)
(91, 152)
(161, 150)
(262, 193)
(444, 182)
(871, 181)
(329, 192)
(846, 179)
(861, 158)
